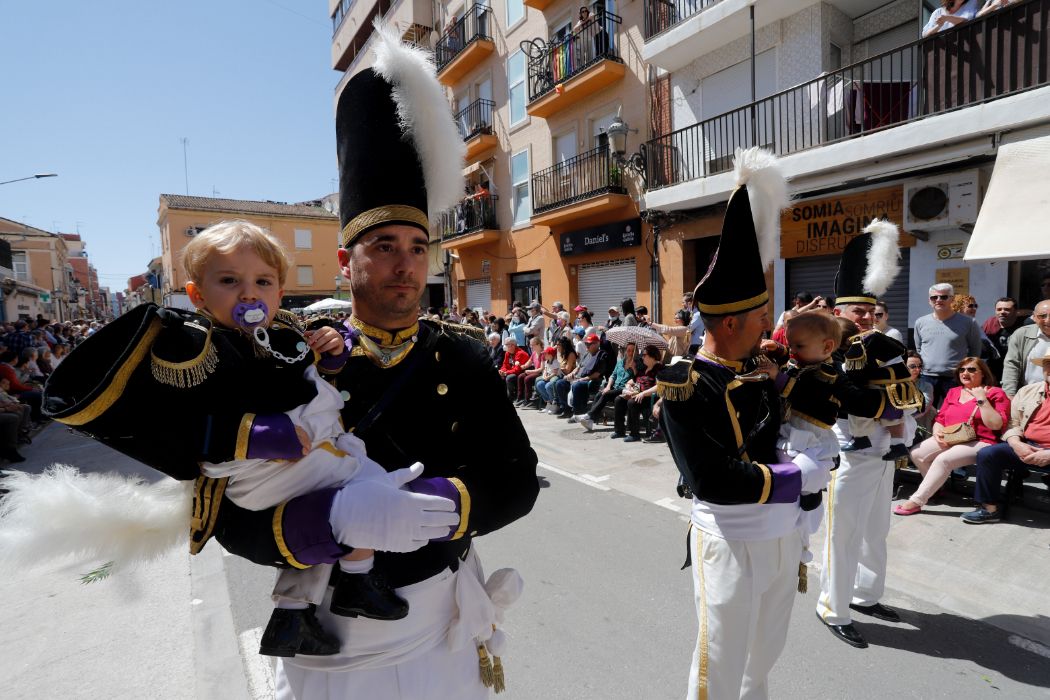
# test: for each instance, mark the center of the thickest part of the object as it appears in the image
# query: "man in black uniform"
(721, 415)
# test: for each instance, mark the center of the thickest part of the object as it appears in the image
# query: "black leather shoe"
(291, 632)
(857, 443)
(367, 595)
(897, 451)
(847, 633)
(878, 611)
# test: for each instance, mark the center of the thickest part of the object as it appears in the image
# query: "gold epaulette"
(207, 494)
(288, 318)
(472, 332)
(677, 382)
(186, 374)
(904, 395)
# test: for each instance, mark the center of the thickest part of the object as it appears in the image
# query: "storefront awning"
(1012, 224)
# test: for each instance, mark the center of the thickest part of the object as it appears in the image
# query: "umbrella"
(639, 335)
(328, 305)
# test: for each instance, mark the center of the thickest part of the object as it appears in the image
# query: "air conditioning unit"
(942, 202)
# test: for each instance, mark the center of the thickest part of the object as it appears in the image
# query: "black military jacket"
(452, 398)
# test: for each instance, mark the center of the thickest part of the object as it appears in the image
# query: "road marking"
(669, 504)
(574, 477)
(1029, 645)
(258, 669)
(596, 479)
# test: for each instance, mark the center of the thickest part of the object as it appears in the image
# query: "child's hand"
(304, 440)
(326, 339)
(768, 345)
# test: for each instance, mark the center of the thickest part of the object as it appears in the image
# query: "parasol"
(639, 335)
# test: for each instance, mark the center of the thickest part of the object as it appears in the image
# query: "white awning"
(1014, 221)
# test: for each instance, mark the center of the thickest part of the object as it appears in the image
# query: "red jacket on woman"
(515, 364)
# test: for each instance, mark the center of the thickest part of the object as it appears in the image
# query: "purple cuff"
(306, 532)
(781, 381)
(892, 413)
(438, 486)
(333, 363)
(787, 483)
(272, 436)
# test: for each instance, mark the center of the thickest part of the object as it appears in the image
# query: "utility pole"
(185, 164)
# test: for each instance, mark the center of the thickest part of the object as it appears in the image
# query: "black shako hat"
(400, 153)
(735, 281)
(869, 264)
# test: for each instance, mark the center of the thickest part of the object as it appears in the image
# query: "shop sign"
(825, 226)
(622, 234)
(957, 277)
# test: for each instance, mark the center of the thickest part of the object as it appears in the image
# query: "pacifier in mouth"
(249, 314)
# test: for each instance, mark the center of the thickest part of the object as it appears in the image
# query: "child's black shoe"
(897, 451)
(291, 632)
(367, 595)
(857, 443)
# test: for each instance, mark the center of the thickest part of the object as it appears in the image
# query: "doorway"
(524, 287)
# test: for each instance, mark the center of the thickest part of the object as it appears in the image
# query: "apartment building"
(308, 230)
(870, 119)
(42, 280)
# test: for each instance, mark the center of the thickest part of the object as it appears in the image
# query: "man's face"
(387, 269)
(592, 348)
(687, 303)
(1006, 312)
(861, 314)
(940, 301)
(1041, 316)
(750, 328)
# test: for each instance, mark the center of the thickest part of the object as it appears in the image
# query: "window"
(516, 81)
(20, 264)
(519, 175)
(515, 11)
(303, 239)
(305, 275)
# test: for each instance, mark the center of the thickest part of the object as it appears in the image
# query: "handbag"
(958, 433)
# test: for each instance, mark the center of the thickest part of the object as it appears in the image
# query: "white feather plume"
(767, 189)
(425, 116)
(884, 256)
(62, 515)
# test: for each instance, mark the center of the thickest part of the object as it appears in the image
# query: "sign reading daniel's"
(622, 234)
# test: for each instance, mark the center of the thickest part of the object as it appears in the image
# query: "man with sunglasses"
(943, 338)
(1029, 343)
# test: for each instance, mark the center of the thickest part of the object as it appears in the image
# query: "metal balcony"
(590, 180)
(465, 44)
(470, 222)
(661, 15)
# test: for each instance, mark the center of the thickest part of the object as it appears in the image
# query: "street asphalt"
(606, 611)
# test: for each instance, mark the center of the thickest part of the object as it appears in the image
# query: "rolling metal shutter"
(479, 294)
(817, 276)
(606, 284)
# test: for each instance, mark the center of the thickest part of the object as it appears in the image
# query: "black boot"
(367, 595)
(291, 632)
(857, 443)
(897, 451)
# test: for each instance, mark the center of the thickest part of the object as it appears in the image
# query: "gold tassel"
(485, 666)
(803, 578)
(675, 392)
(185, 375)
(499, 683)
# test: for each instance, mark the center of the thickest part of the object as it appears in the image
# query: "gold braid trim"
(207, 495)
(904, 395)
(381, 215)
(188, 374)
(464, 507)
(278, 536)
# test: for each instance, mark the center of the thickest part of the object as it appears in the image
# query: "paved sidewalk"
(159, 632)
(991, 573)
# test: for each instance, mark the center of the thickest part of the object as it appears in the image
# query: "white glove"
(378, 514)
(816, 473)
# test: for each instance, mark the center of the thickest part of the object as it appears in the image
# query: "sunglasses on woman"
(969, 370)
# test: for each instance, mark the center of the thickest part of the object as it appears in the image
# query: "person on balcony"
(949, 15)
(993, 5)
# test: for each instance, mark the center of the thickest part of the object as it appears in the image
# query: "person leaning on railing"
(993, 5)
(949, 15)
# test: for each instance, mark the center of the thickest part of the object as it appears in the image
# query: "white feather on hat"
(884, 256)
(424, 113)
(759, 170)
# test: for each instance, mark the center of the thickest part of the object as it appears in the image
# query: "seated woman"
(567, 359)
(949, 15)
(622, 373)
(544, 390)
(495, 351)
(636, 397)
(977, 404)
(922, 420)
(531, 372)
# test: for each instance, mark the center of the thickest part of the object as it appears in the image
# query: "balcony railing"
(561, 59)
(1001, 54)
(470, 215)
(474, 25)
(475, 119)
(661, 15)
(581, 177)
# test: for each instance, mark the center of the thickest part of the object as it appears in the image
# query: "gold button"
(437, 357)
(442, 389)
(455, 427)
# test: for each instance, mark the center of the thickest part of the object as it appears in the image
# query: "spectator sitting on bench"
(621, 374)
(636, 396)
(582, 380)
(1026, 444)
(515, 361)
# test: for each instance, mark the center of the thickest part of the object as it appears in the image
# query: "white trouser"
(858, 522)
(743, 592)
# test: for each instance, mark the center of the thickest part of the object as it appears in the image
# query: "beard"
(387, 302)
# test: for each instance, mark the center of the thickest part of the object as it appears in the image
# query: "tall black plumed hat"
(869, 264)
(735, 281)
(400, 153)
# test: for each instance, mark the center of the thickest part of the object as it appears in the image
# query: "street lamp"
(31, 177)
(617, 133)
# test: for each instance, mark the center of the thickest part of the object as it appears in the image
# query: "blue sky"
(103, 92)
